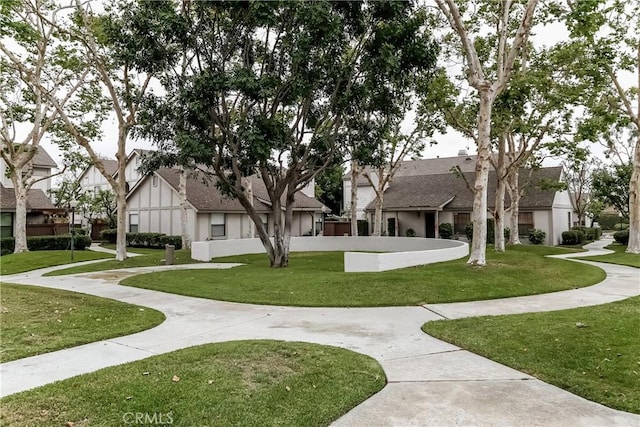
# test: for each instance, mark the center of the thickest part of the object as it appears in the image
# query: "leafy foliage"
(611, 186)
(537, 236)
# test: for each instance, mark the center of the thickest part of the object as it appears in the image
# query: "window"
(218, 225)
(154, 180)
(525, 222)
(460, 221)
(265, 222)
(6, 225)
(133, 223)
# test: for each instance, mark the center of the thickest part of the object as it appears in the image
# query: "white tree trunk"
(184, 223)
(498, 217)
(20, 235)
(354, 198)
(634, 203)
(514, 210)
(478, 243)
(121, 230)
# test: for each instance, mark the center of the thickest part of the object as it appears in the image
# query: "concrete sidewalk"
(429, 382)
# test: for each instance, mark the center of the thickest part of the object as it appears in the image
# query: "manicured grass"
(33, 260)
(317, 279)
(240, 383)
(593, 352)
(150, 257)
(39, 320)
(620, 257)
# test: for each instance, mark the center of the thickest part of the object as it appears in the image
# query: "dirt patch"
(109, 275)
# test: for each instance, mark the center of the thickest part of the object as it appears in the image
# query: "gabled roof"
(36, 200)
(110, 165)
(467, 163)
(204, 196)
(450, 190)
(301, 201)
(43, 159)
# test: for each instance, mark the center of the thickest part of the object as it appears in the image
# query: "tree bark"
(354, 198)
(514, 209)
(20, 192)
(184, 223)
(478, 243)
(633, 246)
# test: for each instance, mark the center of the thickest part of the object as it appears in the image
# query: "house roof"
(110, 165)
(36, 200)
(435, 191)
(205, 197)
(467, 163)
(43, 159)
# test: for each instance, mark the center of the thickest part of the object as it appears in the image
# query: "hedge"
(109, 235)
(621, 237)
(46, 243)
(468, 231)
(572, 237)
(590, 233)
(610, 221)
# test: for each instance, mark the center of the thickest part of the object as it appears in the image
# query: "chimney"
(462, 153)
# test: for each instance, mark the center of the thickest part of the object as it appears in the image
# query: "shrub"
(621, 236)
(620, 226)
(572, 237)
(537, 236)
(7, 244)
(171, 240)
(144, 239)
(109, 235)
(410, 232)
(445, 230)
(609, 221)
(468, 231)
(590, 233)
(47, 243)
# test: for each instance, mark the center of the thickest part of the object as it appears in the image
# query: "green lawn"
(317, 279)
(240, 383)
(593, 352)
(39, 320)
(149, 257)
(619, 257)
(33, 260)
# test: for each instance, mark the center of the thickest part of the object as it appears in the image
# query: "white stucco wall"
(400, 252)
(365, 195)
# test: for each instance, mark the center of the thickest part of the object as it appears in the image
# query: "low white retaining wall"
(399, 252)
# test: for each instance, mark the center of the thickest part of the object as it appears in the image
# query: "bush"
(7, 244)
(410, 232)
(590, 233)
(109, 235)
(468, 231)
(47, 243)
(445, 230)
(609, 221)
(622, 226)
(171, 240)
(144, 239)
(572, 237)
(621, 237)
(537, 236)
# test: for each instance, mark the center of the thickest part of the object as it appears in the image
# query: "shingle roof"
(467, 163)
(432, 191)
(43, 159)
(36, 200)
(111, 166)
(205, 197)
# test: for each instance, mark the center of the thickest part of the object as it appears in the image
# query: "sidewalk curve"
(430, 382)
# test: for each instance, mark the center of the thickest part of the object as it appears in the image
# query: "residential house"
(92, 179)
(153, 205)
(423, 201)
(366, 193)
(39, 207)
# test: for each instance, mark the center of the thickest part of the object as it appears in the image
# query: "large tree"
(266, 92)
(488, 68)
(606, 37)
(35, 67)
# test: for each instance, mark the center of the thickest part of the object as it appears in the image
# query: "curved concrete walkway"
(430, 382)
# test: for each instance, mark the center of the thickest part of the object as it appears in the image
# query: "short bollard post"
(169, 255)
